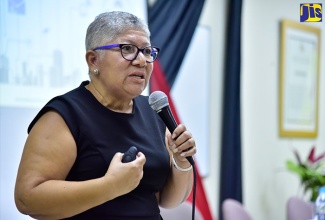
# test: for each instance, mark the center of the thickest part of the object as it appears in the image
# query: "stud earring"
(96, 71)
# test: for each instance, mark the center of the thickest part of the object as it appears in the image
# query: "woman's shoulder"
(62, 103)
(76, 92)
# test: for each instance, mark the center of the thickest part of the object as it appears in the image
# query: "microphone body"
(167, 116)
(159, 102)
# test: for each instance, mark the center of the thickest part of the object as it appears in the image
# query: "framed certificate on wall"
(299, 73)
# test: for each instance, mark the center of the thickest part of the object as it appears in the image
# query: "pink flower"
(312, 158)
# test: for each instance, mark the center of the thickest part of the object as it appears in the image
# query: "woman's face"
(122, 78)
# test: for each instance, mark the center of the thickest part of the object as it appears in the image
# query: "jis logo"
(311, 12)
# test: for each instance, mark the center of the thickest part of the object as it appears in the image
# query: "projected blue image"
(16, 6)
(42, 46)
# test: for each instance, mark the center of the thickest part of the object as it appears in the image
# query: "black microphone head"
(158, 100)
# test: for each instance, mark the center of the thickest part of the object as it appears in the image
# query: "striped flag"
(172, 25)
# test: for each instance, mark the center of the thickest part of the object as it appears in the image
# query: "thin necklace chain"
(103, 98)
(106, 103)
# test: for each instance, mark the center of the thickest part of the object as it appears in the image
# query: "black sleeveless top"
(99, 133)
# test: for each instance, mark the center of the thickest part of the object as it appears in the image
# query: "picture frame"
(299, 80)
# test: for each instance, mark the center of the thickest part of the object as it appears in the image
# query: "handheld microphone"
(158, 101)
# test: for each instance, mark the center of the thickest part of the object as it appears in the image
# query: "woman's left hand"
(181, 143)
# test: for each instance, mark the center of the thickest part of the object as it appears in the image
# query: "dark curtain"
(172, 25)
(231, 173)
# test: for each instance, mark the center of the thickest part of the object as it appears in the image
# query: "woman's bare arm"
(49, 153)
(179, 183)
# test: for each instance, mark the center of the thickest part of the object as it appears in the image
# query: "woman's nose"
(140, 59)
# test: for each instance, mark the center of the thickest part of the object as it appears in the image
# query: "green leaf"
(299, 169)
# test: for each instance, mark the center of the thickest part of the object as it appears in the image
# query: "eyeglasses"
(130, 51)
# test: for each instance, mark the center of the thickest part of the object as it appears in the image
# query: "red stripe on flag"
(201, 202)
(159, 82)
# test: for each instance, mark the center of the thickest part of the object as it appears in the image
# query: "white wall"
(213, 16)
(266, 183)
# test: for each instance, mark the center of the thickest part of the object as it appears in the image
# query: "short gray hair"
(107, 26)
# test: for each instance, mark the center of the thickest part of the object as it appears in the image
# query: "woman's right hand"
(125, 176)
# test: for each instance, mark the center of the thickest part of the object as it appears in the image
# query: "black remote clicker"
(130, 155)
